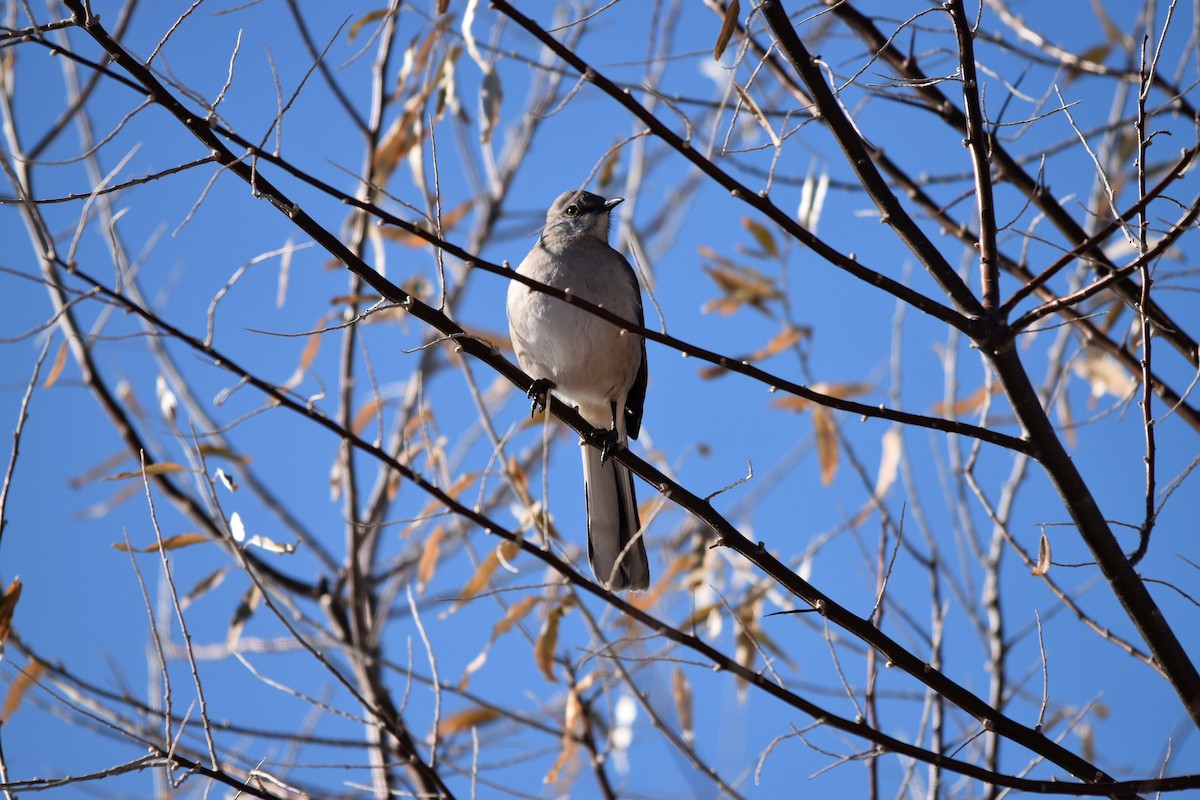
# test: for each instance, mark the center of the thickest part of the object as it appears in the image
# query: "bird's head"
(578, 214)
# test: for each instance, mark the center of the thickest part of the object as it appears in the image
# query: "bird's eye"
(572, 210)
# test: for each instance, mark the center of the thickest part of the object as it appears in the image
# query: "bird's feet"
(539, 390)
(606, 439)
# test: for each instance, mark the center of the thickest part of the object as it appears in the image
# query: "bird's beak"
(611, 204)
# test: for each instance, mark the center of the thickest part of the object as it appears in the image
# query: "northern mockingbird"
(590, 364)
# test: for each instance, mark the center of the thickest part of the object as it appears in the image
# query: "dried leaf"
(967, 405)
(8, 604)
(1087, 740)
(1112, 31)
(167, 404)
(568, 750)
(447, 222)
(781, 341)
(740, 286)
(1043, 559)
(237, 528)
(757, 113)
(170, 543)
(270, 545)
(827, 443)
(728, 25)
(516, 612)
(20, 685)
(429, 558)
(161, 468)
(1104, 374)
(406, 130)
(224, 452)
(766, 242)
(307, 356)
(463, 721)
(572, 733)
(889, 461)
(1066, 421)
(547, 641)
(1096, 54)
(222, 478)
(842, 391)
(365, 415)
(744, 654)
(483, 574)
(433, 506)
(206, 585)
(812, 199)
(608, 170)
(681, 691)
(791, 402)
(246, 608)
(60, 361)
(447, 89)
(490, 96)
(366, 19)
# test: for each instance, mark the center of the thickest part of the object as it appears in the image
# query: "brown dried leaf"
(681, 691)
(307, 356)
(60, 360)
(365, 415)
(843, 391)
(740, 286)
(608, 170)
(463, 721)
(1112, 31)
(791, 403)
(429, 558)
(1066, 421)
(246, 608)
(766, 242)
(224, 452)
(778, 343)
(547, 641)
(781, 341)
(491, 94)
(516, 613)
(972, 402)
(568, 750)
(826, 435)
(366, 19)
(20, 685)
(170, 543)
(483, 573)
(161, 468)
(206, 585)
(728, 25)
(1043, 559)
(757, 113)
(406, 130)
(744, 654)
(409, 239)
(8, 604)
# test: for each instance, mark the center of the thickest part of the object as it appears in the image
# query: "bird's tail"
(612, 521)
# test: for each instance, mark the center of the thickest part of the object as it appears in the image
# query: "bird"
(589, 363)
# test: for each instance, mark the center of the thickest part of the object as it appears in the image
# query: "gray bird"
(590, 364)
